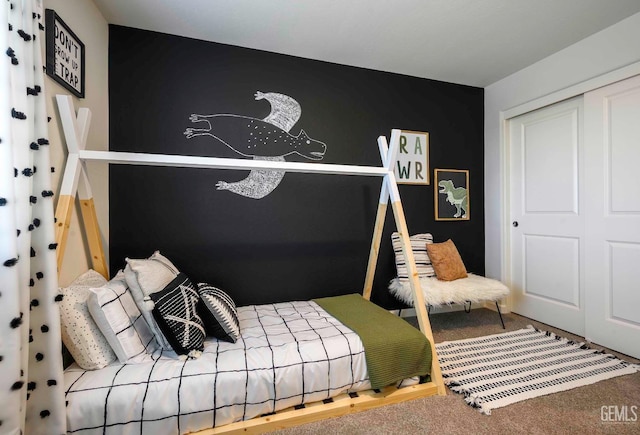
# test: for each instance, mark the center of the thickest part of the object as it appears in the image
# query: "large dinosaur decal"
(260, 139)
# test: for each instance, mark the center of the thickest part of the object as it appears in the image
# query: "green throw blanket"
(394, 349)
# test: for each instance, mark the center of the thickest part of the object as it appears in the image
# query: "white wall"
(603, 52)
(88, 24)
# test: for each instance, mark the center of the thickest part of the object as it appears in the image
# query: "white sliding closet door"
(547, 222)
(612, 159)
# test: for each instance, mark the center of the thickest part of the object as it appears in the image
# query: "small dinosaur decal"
(260, 139)
(456, 196)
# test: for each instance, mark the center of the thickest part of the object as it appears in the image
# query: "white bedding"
(288, 353)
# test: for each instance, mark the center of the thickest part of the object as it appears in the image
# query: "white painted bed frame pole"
(381, 215)
(74, 181)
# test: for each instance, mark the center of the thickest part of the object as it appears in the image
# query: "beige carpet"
(575, 411)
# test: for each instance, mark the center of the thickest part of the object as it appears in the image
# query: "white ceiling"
(472, 42)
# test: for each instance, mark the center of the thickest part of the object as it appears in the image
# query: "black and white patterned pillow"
(419, 248)
(175, 311)
(219, 313)
(116, 314)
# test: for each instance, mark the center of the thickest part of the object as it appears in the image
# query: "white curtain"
(31, 385)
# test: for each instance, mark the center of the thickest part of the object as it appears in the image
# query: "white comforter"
(289, 353)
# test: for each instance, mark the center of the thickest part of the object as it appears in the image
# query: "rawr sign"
(412, 159)
(65, 54)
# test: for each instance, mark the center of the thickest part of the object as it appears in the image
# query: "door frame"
(505, 152)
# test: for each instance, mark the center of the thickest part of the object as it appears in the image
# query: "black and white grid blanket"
(497, 370)
(288, 353)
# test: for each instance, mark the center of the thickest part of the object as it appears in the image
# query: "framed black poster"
(451, 195)
(65, 54)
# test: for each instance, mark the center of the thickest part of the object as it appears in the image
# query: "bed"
(292, 363)
(288, 354)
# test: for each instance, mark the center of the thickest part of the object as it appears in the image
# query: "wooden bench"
(463, 291)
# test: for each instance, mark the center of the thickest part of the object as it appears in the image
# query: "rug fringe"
(477, 403)
(472, 399)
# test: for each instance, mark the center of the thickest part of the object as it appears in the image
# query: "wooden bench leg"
(500, 314)
(468, 310)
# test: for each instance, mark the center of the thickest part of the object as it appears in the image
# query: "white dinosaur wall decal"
(261, 139)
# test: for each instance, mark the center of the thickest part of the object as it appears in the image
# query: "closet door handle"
(515, 223)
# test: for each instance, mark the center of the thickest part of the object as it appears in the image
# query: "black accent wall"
(311, 236)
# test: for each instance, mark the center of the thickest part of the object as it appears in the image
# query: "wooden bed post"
(381, 216)
(390, 189)
(74, 181)
(375, 243)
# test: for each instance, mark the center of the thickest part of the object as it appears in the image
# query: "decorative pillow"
(176, 313)
(80, 334)
(446, 261)
(146, 276)
(218, 311)
(118, 317)
(423, 263)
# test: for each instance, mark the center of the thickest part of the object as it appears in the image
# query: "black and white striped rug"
(497, 370)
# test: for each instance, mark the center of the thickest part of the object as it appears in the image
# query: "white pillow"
(80, 334)
(118, 317)
(419, 248)
(146, 276)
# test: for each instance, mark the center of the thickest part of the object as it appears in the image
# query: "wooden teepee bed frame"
(75, 181)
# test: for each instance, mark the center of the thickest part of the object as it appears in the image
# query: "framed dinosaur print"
(451, 194)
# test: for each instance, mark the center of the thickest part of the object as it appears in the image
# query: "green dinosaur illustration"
(456, 196)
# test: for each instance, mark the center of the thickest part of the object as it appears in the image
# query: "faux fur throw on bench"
(474, 288)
